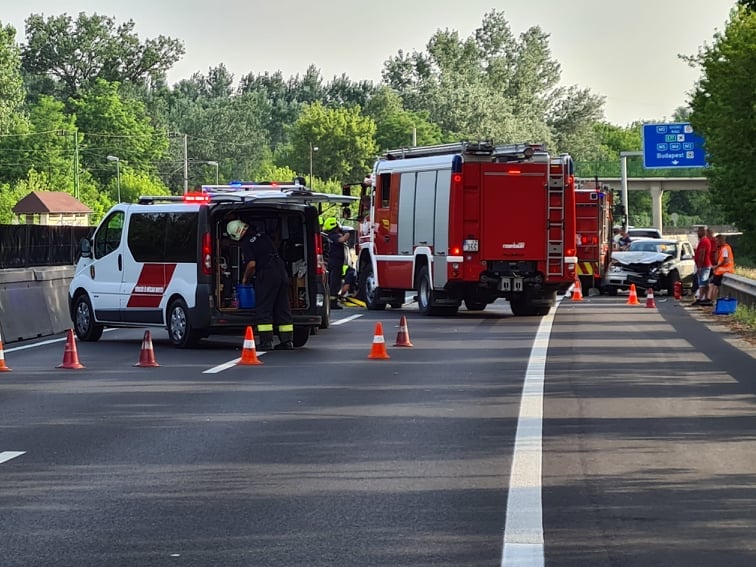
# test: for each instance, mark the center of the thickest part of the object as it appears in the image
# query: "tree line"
(81, 88)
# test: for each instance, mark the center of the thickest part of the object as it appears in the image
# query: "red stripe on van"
(151, 285)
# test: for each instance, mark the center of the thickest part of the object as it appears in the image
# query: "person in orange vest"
(725, 265)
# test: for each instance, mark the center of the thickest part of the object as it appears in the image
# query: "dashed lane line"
(8, 455)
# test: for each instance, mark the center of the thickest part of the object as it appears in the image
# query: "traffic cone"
(379, 344)
(3, 366)
(70, 355)
(249, 353)
(632, 299)
(577, 291)
(650, 298)
(147, 355)
(402, 337)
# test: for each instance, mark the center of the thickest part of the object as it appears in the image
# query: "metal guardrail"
(742, 289)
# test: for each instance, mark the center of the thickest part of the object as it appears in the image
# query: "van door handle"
(120, 263)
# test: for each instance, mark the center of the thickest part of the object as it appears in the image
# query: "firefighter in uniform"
(336, 259)
(271, 285)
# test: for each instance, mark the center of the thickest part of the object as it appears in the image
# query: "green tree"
(116, 126)
(11, 83)
(345, 140)
(69, 54)
(723, 107)
(395, 125)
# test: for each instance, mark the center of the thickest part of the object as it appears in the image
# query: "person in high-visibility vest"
(725, 265)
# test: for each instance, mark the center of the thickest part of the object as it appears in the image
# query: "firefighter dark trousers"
(273, 308)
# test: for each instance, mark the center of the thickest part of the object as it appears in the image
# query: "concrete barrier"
(34, 302)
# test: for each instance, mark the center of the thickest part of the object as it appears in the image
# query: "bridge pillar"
(656, 206)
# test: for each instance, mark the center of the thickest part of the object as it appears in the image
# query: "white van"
(166, 261)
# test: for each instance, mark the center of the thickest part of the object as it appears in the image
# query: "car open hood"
(640, 257)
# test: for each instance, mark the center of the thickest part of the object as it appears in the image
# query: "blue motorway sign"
(672, 145)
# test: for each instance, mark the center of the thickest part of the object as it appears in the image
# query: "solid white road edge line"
(8, 455)
(523, 531)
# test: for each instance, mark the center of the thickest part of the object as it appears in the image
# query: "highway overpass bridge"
(656, 186)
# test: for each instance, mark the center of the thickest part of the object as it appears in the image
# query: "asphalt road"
(321, 457)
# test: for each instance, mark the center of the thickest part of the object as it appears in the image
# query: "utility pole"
(623, 181)
(76, 164)
(186, 164)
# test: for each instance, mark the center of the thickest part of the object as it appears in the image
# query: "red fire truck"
(468, 222)
(593, 218)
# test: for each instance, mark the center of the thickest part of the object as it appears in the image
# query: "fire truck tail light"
(571, 252)
(207, 259)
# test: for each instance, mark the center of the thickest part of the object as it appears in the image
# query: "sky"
(627, 52)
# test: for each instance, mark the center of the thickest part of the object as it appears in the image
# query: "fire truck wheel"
(425, 294)
(368, 290)
(473, 305)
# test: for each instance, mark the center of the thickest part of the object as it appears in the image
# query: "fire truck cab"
(468, 222)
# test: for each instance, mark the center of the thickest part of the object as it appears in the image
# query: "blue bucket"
(726, 306)
(245, 293)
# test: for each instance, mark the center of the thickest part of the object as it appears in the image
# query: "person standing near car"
(703, 265)
(623, 242)
(725, 265)
(336, 260)
(262, 262)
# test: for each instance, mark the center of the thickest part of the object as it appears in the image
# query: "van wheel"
(301, 334)
(325, 319)
(84, 321)
(180, 330)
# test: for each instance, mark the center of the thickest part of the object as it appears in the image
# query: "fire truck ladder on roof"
(555, 212)
(470, 148)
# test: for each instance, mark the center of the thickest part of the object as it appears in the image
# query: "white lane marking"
(221, 367)
(8, 455)
(345, 320)
(523, 532)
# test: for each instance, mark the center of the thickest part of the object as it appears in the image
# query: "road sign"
(672, 145)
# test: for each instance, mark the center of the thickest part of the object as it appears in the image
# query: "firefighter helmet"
(330, 223)
(235, 229)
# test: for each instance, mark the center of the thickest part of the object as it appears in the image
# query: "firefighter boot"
(265, 341)
(286, 338)
(335, 303)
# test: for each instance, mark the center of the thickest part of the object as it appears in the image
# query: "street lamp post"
(217, 176)
(118, 174)
(312, 149)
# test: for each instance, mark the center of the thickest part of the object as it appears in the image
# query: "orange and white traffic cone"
(402, 337)
(249, 352)
(147, 355)
(577, 291)
(378, 349)
(3, 366)
(650, 298)
(632, 299)
(70, 355)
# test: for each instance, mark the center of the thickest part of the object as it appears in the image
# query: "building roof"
(38, 202)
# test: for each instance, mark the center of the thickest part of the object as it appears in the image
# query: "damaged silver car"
(651, 263)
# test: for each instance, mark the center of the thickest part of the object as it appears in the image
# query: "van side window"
(108, 237)
(163, 237)
(385, 189)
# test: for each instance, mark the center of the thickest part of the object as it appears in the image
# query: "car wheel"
(180, 331)
(84, 322)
